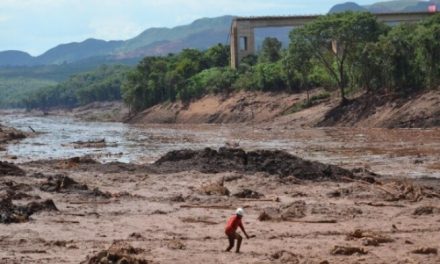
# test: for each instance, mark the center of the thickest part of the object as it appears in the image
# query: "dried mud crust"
(229, 159)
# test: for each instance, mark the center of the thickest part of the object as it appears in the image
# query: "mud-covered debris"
(16, 135)
(285, 212)
(227, 159)
(372, 238)
(118, 253)
(264, 216)
(82, 160)
(176, 244)
(136, 236)
(178, 198)
(98, 143)
(397, 190)
(198, 219)
(62, 183)
(11, 213)
(247, 193)
(339, 193)
(425, 251)
(426, 210)
(284, 256)
(214, 188)
(12, 185)
(295, 209)
(347, 251)
(235, 177)
(7, 168)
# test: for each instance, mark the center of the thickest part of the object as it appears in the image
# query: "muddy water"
(398, 152)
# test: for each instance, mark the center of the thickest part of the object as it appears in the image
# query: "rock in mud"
(11, 213)
(118, 253)
(7, 168)
(227, 159)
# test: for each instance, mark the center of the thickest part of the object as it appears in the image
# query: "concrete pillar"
(242, 42)
(234, 45)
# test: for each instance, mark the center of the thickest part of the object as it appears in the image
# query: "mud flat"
(174, 211)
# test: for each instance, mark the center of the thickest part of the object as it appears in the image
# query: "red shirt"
(233, 223)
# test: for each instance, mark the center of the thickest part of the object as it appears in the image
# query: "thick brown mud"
(175, 210)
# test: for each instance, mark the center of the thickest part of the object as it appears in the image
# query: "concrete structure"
(242, 29)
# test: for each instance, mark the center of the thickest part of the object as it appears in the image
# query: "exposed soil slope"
(236, 108)
(421, 110)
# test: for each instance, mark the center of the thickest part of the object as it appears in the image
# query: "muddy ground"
(174, 211)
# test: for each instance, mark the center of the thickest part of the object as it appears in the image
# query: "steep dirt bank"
(420, 110)
(236, 108)
(281, 109)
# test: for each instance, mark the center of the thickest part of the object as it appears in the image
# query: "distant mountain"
(221, 25)
(201, 34)
(349, 6)
(387, 6)
(15, 57)
(66, 53)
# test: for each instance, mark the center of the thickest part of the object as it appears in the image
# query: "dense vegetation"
(348, 51)
(14, 90)
(102, 84)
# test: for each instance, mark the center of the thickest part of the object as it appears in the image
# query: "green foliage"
(270, 51)
(334, 40)
(14, 90)
(270, 77)
(102, 84)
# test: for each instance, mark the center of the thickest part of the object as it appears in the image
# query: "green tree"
(335, 39)
(270, 50)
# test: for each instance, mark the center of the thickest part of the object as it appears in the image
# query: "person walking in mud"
(231, 230)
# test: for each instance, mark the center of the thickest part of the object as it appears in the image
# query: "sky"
(34, 26)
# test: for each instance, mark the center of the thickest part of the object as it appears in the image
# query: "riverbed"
(397, 152)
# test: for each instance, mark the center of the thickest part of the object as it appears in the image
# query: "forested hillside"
(102, 84)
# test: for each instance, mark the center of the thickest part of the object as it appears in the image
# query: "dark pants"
(231, 238)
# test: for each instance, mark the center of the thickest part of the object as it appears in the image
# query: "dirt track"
(179, 217)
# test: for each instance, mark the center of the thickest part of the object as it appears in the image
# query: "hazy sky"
(35, 26)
